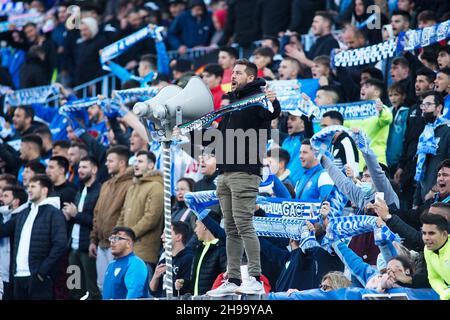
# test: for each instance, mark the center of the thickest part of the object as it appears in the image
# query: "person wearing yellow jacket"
(143, 209)
(437, 252)
(375, 127)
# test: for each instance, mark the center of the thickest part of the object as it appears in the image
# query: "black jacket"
(302, 14)
(182, 264)
(87, 61)
(48, 239)
(85, 217)
(253, 118)
(33, 73)
(274, 15)
(66, 192)
(241, 23)
(323, 46)
(214, 263)
(414, 127)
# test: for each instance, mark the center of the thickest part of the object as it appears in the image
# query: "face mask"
(4, 210)
(429, 117)
(366, 187)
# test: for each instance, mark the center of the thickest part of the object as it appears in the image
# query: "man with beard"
(80, 215)
(143, 209)
(404, 174)
(108, 207)
(240, 176)
(436, 134)
(14, 200)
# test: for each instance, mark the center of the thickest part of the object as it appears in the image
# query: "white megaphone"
(194, 101)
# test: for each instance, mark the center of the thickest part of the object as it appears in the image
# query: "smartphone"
(379, 196)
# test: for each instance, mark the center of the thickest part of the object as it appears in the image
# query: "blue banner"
(289, 92)
(352, 111)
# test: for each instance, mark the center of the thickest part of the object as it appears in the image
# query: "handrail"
(106, 84)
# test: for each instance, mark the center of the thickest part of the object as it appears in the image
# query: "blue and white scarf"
(273, 207)
(9, 8)
(340, 228)
(4, 90)
(428, 144)
(135, 94)
(30, 95)
(21, 20)
(120, 46)
(75, 105)
(406, 41)
(420, 38)
(321, 141)
(365, 55)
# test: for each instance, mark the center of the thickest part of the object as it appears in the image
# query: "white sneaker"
(226, 288)
(251, 286)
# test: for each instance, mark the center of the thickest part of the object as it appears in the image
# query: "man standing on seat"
(240, 176)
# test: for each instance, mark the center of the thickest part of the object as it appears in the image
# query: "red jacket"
(217, 93)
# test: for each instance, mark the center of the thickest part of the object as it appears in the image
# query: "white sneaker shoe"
(225, 289)
(251, 286)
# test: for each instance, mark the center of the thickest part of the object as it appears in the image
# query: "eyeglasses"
(116, 238)
(427, 105)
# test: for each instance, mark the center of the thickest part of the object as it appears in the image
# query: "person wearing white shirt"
(39, 242)
(80, 215)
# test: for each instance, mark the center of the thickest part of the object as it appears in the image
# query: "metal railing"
(103, 85)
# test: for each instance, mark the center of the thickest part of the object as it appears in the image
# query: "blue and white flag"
(289, 92)
(30, 95)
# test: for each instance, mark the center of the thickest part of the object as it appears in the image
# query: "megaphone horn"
(195, 100)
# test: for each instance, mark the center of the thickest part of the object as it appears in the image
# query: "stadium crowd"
(82, 193)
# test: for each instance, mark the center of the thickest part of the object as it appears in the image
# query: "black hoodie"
(255, 118)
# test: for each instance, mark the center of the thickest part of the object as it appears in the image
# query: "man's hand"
(381, 209)
(291, 291)
(323, 81)
(179, 284)
(380, 223)
(70, 209)
(271, 95)
(182, 49)
(379, 105)
(160, 270)
(349, 171)
(403, 278)
(93, 250)
(268, 73)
